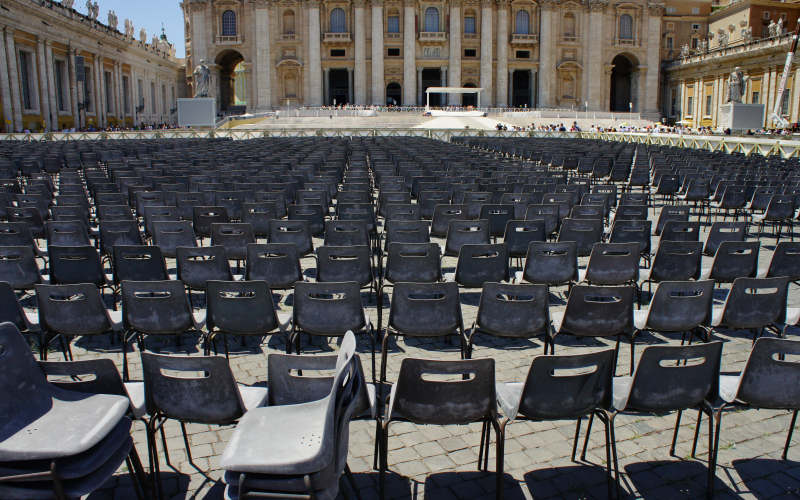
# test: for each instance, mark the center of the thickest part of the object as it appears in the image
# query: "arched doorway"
(394, 94)
(622, 84)
(469, 99)
(229, 71)
(521, 88)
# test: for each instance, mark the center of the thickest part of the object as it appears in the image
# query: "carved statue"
(772, 29)
(737, 84)
(129, 29)
(747, 34)
(202, 79)
(112, 20)
(95, 11)
(68, 3)
(143, 35)
(684, 51)
(779, 30)
(702, 47)
(722, 41)
(154, 41)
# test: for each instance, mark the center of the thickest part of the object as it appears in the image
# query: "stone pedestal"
(197, 112)
(739, 116)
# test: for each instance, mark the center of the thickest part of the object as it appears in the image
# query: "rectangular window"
(60, 74)
(126, 94)
(689, 106)
(338, 52)
(695, 41)
(26, 79)
(153, 98)
(469, 24)
(393, 24)
(107, 88)
(669, 42)
(756, 97)
(708, 106)
(393, 52)
(523, 54)
(470, 53)
(696, 27)
(88, 88)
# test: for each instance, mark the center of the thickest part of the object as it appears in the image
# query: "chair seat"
(288, 439)
(729, 387)
(640, 318)
(253, 397)
(135, 392)
(622, 391)
(509, 395)
(71, 424)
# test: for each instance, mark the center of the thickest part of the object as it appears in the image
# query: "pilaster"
(5, 88)
(13, 76)
(378, 96)
(409, 53)
(360, 68)
(314, 70)
(502, 54)
(454, 60)
(486, 53)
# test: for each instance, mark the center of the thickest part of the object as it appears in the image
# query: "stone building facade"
(60, 69)
(579, 54)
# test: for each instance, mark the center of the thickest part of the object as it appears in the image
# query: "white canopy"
(451, 90)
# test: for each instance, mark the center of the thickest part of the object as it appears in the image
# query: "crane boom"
(776, 117)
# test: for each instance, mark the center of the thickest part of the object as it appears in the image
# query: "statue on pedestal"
(747, 34)
(112, 20)
(685, 51)
(202, 79)
(737, 84)
(143, 35)
(129, 29)
(722, 40)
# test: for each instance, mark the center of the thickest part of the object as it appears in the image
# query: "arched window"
(338, 24)
(569, 24)
(625, 27)
(522, 24)
(431, 19)
(229, 23)
(288, 22)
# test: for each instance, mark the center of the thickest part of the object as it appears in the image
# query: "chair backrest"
(680, 306)
(89, 376)
(677, 261)
(498, 216)
(118, 232)
(204, 216)
(16, 234)
(329, 309)
(413, 262)
(230, 306)
(18, 267)
(631, 212)
(344, 263)
(632, 231)
(66, 233)
(276, 263)
(313, 214)
(520, 233)
(169, 235)
(75, 264)
(75, 309)
(406, 231)
(755, 302)
(346, 233)
(785, 261)
(402, 211)
(771, 377)
(463, 232)
(680, 230)
(545, 212)
(671, 377)
(156, 307)
(519, 311)
(234, 237)
(551, 263)
(735, 259)
(198, 389)
(598, 311)
(426, 309)
(571, 386)
(584, 232)
(671, 212)
(10, 308)
(466, 395)
(139, 263)
(478, 264)
(614, 263)
(443, 214)
(724, 231)
(296, 232)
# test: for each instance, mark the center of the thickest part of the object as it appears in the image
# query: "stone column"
(360, 69)
(378, 96)
(5, 89)
(503, 98)
(650, 104)
(13, 76)
(454, 61)
(642, 93)
(350, 85)
(73, 87)
(44, 87)
(487, 97)
(510, 87)
(443, 71)
(100, 108)
(314, 72)
(547, 67)
(595, 76)
(420, 91)
(263, 64)
(409, 53)
(326, 93)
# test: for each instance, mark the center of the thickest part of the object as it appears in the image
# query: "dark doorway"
(469, 99)
(338, 87)
(227, 62)
(521, 89)
(621, 84)
(432, 77)
(394, 94)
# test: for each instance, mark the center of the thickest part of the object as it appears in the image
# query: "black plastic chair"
(498, 216)
(733, 259)
(346, 233)
(678, 230)
(198, 265)
(612, 264)
(230, 307)
(67, 233)
(511, 311)
(675, 261)
(118, 232)
(584, 232)
(296, 232)
(633, 231)
(518, 236)
(258, 216)
(204, 216)
(724, 231)
(546, 213)
(346, 263)
(785, 262)
(12, 311)
(551, 264)
(464, 232)
(671, 212)
(169, 235)
(18, 267)
(780, 212)
(478, 264)
(276, 263)
(79, 264)
(234, 237)
(754, 304)
(313, 214)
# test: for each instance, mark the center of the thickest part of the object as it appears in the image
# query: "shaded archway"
(394, 94)
(621, 84)
(227, 63)
(469, 99)
(338, 87)
(521, 86)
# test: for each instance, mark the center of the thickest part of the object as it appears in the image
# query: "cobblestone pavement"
(441, 461)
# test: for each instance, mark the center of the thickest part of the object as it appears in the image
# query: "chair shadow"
(671, 479)
(575, 481)
(754, 470)
(472, 484)
(507, 343)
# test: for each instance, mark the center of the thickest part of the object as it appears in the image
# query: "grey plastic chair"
(785, 261)
(733, 259)
(674, 261)
(269, 454)
(754, 304)
(213, 397)
(466, 396)
(18, 267)
(550, 264)
(558, 388)
(677, 307)
(465, 232)
(584, 232)
(198, 265)
(681, 230)
(478, 264)
(671, 212)
(612, 264)
(60, 443)
(511, 311)
(724, 231)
